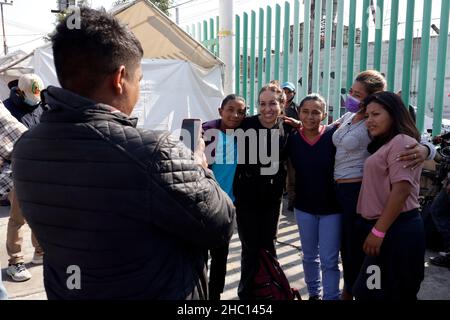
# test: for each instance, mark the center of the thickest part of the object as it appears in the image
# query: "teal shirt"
(225, 163)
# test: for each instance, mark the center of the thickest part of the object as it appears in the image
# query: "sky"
(28, 21)
(191, 12)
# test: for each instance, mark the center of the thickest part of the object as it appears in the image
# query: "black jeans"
(257, 226)
(401, 260)
(217, 271)
(352, 254)
(440, 212)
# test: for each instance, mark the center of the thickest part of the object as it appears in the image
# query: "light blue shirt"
(225, 163)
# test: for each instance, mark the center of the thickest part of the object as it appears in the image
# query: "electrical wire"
(24, 26)
(180, 4)
(25, 35)
(24, 43)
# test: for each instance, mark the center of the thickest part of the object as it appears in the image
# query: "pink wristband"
(377, 233)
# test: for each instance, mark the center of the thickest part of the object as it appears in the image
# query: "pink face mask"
(352, 104)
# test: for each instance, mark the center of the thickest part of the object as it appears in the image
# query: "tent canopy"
(168, 40)
(171, 90)
(12, 66)
(182, 79)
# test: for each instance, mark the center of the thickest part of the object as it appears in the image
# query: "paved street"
(435, 286)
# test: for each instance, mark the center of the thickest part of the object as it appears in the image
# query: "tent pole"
(16, 62)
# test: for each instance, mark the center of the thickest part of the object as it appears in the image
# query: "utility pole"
(9, 3)
(226, 43)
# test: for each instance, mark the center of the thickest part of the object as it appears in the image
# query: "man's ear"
(21, 93)
(220, 111)
(118, 79)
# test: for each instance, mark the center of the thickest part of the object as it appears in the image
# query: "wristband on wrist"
(377, 233)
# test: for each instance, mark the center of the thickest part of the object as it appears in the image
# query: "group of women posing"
(357, 183)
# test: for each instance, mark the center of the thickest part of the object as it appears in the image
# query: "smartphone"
(190, 132)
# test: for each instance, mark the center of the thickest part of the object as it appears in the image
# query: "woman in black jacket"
(259, 182)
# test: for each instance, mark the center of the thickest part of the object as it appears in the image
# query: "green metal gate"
(288, 51)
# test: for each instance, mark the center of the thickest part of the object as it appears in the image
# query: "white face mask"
(31, 102)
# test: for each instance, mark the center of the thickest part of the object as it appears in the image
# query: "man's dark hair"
(85, 56)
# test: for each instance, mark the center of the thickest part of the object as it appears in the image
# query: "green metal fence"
(321, 55)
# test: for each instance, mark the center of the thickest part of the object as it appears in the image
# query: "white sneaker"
(37, 258)
(18, 272)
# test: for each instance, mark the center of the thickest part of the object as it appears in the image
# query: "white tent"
(182, 79)
(12, 66)
(161, 38)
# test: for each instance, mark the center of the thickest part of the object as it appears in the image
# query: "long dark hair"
(402, 123)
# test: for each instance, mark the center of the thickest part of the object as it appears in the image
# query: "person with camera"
(121, 212)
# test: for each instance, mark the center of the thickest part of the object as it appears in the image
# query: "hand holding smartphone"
(191, 130)
(191, 133)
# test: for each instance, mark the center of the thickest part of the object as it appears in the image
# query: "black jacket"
(292, 110)
(251, 180)
(127, 206)
(28, 115)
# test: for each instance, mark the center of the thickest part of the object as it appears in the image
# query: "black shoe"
(5, 203)
(314, 298)
(441, 261)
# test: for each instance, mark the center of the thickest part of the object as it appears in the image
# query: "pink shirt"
(381, 170)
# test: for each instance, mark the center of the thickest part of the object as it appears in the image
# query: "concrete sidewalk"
(436, 285)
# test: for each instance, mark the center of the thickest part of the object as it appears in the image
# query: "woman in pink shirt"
(390, 225)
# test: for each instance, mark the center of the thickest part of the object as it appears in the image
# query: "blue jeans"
(320, 237)
(3, 294)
